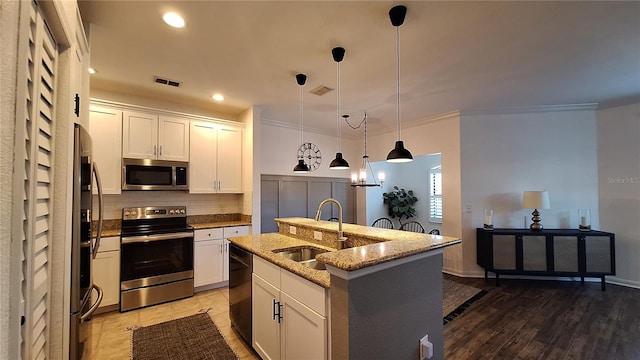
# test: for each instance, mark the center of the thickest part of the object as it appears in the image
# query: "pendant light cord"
(301, 114)
(398, 79)
(338, 108)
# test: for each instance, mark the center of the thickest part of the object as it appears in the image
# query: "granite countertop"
(384, 246)
(263, 245)
(113, 227)
(219, 224)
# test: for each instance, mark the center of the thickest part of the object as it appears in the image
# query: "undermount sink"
(305, 256)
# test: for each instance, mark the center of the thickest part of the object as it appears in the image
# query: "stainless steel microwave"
(147, 174)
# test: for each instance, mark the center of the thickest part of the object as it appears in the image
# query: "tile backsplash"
(197, 204)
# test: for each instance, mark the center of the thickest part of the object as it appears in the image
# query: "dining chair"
(383, 222)
(413, 226)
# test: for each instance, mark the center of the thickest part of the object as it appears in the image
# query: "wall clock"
(311, 155)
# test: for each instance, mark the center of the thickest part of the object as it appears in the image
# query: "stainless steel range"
(156, 256)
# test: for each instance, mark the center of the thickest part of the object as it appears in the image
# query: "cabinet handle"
(160, 150)
(154, 150)
(76, 109)
(220, 248)
(279, 312)
(274, 310)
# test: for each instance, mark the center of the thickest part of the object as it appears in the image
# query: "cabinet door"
(229, 172)
(173, 139)
(207, 262)
(304, 332)
(598, 254)
(266, 329)
(203, 154)
(105, 127)
(106, 270)
(139, 135)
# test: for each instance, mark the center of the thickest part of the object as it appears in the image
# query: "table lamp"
(535, 200)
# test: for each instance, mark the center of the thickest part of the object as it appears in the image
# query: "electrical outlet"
(292, 230)
(317, 235)
(467, 208)
(426, 348)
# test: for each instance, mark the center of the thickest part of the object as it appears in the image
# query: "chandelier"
(359, 179)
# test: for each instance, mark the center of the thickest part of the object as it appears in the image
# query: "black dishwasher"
(240, 269)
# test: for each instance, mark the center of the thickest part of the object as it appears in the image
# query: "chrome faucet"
(341, 239)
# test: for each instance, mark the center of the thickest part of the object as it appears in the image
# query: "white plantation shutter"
(435, 195)
(37, 158)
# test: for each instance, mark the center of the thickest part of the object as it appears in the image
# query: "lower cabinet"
(106, 271)
(211, 254)
(289, 314)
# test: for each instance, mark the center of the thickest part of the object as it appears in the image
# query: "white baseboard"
(608, 279)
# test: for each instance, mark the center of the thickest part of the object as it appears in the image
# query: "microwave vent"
(164, 81)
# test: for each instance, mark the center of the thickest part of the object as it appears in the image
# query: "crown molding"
(532, 109)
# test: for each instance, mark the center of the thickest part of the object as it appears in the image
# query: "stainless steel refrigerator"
(83, 249)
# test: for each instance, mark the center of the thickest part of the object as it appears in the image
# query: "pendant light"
(339, 163)
(399, 154)
(359, 179)
(301, 167)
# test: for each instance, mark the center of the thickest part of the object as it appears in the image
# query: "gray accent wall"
(383, 315)
(299, 196)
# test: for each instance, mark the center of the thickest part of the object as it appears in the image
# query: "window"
(435, 194)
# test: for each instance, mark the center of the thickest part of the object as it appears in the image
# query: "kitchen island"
(384, 290)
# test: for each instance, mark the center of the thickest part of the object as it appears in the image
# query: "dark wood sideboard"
(553, 252)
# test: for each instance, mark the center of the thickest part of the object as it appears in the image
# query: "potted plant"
(400, 203)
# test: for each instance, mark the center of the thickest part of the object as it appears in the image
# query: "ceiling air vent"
(321, 90)
(164, 81)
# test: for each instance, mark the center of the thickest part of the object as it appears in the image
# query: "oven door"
(155, 259)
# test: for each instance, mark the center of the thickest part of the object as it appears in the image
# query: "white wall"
(619, 185)
(9, 290)
(279, 150)
(503, 155)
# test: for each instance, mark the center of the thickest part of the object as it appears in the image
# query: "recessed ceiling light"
(218, 97)
(92, 71)
(173, 19)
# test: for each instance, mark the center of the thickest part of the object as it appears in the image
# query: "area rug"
(194, 337)
(457, 298)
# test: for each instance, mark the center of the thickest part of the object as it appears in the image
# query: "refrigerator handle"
(100, 210)
(95, 305)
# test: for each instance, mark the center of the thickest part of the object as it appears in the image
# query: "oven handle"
(158, 237)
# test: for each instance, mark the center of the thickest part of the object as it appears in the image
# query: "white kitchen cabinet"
(149, 136)
(289, 314)
(211, 254)
(208, 257)
(215, 158)
(106, 270)
(105, 127)
(227, 233)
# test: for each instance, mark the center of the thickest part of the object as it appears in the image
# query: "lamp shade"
(399, 154)
(535, 200)
(339, 163)
(301, 167)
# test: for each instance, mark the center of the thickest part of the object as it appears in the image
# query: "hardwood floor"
(538, 319)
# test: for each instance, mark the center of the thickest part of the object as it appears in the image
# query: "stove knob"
(182, 211)
(171, 211)
(126, 213)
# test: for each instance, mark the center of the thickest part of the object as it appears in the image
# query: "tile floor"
(111, 340)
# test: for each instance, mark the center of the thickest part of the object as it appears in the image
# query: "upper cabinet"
(105, 127)
(149, 136)
(216, 158)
